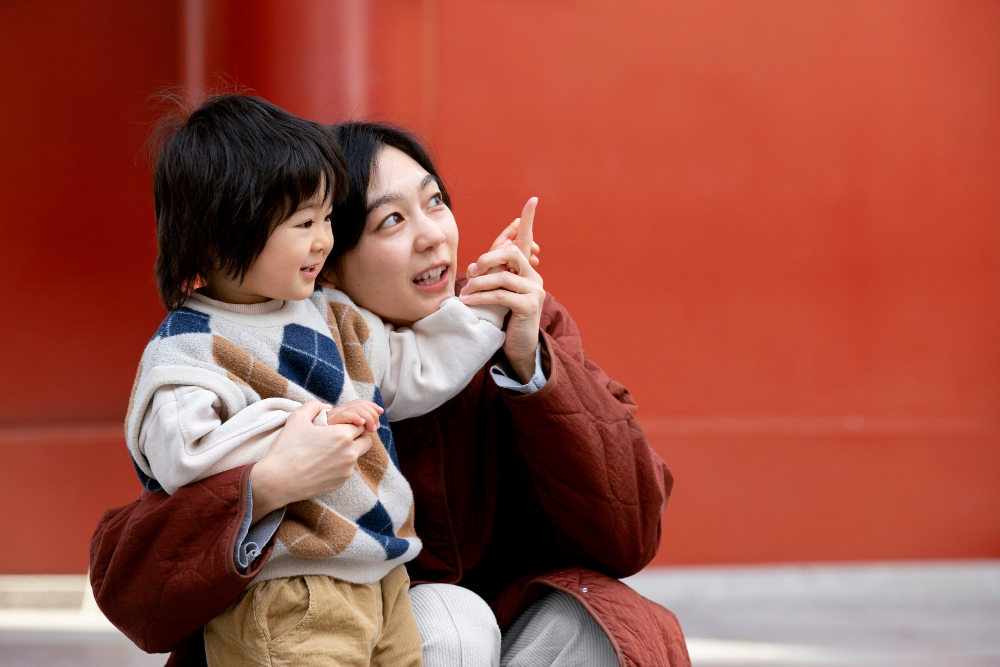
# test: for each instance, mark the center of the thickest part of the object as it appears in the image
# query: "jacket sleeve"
(162, 566)
(604, 489)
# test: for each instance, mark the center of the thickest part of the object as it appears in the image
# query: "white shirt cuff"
(537, 381)
(250, 542)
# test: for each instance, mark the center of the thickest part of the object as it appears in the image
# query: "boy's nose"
(323, 241)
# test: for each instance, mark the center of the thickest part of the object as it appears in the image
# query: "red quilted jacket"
(515, 495)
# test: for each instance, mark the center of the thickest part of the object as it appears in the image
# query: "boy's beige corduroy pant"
(318, 620)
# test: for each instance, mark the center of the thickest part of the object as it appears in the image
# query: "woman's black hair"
(224, 176)
(361, 142)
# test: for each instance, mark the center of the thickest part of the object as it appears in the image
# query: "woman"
(534, 488)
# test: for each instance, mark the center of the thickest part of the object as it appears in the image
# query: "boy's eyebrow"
(396, 196)
(306, 203)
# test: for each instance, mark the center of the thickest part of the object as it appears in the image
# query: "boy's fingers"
(509, 256)
(524, 239)
(508, 234)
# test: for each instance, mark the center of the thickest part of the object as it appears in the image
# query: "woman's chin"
(429, 301)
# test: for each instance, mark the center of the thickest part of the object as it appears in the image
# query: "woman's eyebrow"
(396, 196)
(385, 199)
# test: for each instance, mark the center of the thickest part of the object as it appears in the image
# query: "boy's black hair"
(361, 142)
(224, 177)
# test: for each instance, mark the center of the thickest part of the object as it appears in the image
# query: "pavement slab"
(930, 614)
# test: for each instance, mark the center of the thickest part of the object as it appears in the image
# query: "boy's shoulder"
(343, 308)
(183, 320)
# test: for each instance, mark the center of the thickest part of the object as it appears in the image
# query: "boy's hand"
(359, 413)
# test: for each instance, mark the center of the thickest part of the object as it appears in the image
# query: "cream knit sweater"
(218, 381)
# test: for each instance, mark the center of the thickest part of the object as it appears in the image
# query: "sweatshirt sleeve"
(435, 358)
(184, 438)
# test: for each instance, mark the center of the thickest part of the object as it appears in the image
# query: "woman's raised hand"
(306, 460)
(517, 285)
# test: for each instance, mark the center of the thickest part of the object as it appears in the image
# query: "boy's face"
(291, 260)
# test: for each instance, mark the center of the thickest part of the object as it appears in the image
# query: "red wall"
(776, 222)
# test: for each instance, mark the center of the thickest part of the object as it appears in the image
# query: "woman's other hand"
(519, 288)
(306, 460)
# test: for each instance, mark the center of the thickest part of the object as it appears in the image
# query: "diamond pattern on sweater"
(376, 522)
(373, 463)
(244, 368)
(384, 432)
(352, 331)
(183, 321)
(311, 360)
(313, 531)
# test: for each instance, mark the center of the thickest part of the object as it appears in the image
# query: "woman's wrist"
(264, 496)
(522, 367)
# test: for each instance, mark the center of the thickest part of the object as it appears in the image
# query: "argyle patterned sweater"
(321, 347)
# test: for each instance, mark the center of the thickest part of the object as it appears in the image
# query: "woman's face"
(404, 265)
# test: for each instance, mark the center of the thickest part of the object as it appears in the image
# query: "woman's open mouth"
(433, 279)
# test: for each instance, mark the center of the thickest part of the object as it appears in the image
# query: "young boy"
(243, 195)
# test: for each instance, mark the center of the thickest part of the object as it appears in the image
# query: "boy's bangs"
(307, 169)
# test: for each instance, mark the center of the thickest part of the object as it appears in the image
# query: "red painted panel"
(766, 498)
(56, 485)
(76, 259)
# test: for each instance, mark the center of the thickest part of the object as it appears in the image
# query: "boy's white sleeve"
(184, 438)
(435, 358)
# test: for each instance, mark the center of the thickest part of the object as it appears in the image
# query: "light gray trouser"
(458, 629)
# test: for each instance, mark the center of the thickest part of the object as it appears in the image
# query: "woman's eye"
(435, 200)
(391, 221)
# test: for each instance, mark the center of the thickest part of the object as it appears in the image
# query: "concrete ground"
(940, 614)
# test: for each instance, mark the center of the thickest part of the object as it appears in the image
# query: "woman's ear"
(327, 277)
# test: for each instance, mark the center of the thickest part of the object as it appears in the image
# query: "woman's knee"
(457, 627)
(556, 631)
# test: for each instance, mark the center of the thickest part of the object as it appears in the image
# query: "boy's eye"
(391, 221)
(306, 225)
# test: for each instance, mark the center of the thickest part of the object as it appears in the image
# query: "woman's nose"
(429, 234)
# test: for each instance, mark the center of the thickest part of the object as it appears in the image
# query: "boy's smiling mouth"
(310, 271)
